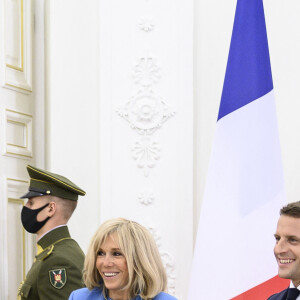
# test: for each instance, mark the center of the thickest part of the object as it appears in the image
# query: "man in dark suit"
(57, 268)
(287, 250)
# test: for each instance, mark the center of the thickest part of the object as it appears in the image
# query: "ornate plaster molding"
(146, 153)
(146, 112)
(146, 197)
(167, 260)
(146, 24)
(146, 72)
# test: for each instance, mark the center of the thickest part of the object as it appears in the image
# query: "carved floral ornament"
(146, 72)
(146, 197)
(146, 24)
(146, 153)
(145, 112)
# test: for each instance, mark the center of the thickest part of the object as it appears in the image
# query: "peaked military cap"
(46, 183)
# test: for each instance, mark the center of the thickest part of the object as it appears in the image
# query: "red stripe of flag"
(264, 290)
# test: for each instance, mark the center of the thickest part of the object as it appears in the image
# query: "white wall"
(72, 103)
(95, 52)
(284, 43)
(120, 77)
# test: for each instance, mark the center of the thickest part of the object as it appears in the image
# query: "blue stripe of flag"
(248, 73)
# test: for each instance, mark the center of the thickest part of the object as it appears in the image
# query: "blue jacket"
(96, 294)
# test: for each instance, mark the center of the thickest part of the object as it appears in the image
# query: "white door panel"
(17, 136)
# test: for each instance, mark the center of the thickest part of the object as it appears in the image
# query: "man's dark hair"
(291, 210)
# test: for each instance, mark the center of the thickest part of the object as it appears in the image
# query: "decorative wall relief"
(146, 112)
(156, 236)
(146, 72)
(146, 153)
(167, 260)
(146, 24)
(146, 197)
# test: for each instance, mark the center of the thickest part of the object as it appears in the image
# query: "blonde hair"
(147, 276)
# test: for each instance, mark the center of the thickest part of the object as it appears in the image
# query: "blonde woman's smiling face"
(112, 267)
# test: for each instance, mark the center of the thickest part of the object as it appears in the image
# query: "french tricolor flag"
(233, 257)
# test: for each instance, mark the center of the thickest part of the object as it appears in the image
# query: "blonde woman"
(123, 263)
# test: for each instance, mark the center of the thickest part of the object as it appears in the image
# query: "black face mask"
(29, 221)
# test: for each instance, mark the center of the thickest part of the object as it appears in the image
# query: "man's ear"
(52, 208)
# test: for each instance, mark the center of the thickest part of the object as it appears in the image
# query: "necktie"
(292, 294)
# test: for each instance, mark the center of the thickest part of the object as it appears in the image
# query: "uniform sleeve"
(57, 278)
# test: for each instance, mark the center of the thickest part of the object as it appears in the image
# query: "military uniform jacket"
(57, 270)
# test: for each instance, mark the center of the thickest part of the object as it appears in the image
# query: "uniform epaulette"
(45, 253)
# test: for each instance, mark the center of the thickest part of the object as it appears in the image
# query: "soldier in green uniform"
(57, 268)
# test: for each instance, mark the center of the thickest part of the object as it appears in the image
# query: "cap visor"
(31, 194)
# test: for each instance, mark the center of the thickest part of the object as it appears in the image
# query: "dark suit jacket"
(279, 296)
